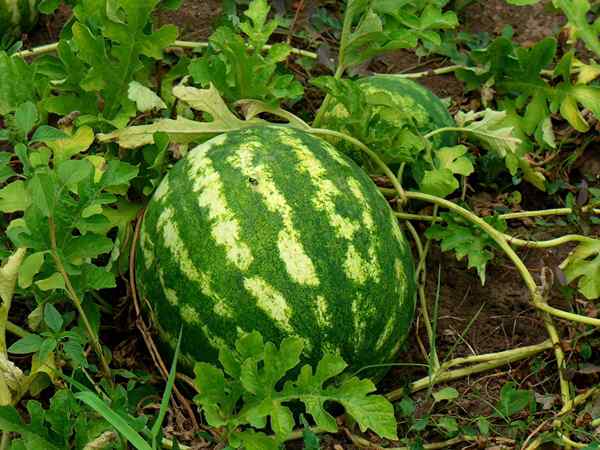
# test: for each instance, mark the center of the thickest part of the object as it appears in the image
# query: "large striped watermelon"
(17, 16)
(271, 229)
(425, 109)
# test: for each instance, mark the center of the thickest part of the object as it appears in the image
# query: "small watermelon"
(17, 16)
(408, 106)
(272, 229)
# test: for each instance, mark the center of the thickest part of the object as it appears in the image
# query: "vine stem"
(435, 362)
(5, 440)
(510, 239)
(549, 243)
(383, 166)
(429, 73)
(449, 69)
(76, 300)
(364, 443)
(536, 296)
(548, 212)
(507, 216)
(51, 48)
(478, 363)
(16, 329)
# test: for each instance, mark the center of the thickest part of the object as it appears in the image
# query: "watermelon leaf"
(387, 25)
(440, 180)
(16, 83)
(577, 12)
(242, 68)
(584, 264)
(254, 376)
(183, 130)
(486, 127)
(466, 239)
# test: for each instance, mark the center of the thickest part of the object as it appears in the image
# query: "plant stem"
(508, 216)
(16, 329)
(76, 301)
(572, 317)
(383, 166)
(510, 239)
(547, 212)
(428, 73)
(537, 298)
(435, 362)
(549, 243)
(483, 363)
(429, 135)
(50, 48)
(420, 217)
(5, 440)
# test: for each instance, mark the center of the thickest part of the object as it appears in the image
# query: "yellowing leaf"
(487, 127)
(181, 130)
(144, 98)
(55, 281)
(14, 197)
(9, 273)
(66, 148)
(587, 73)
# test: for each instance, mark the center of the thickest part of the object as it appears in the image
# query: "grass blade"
(164, 404)
(120, 424)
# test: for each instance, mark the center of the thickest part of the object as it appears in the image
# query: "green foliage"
(54, 428)
(389, 125)
(378, 120)
(387, 25)
(583, 264)
(516, 73)
(16, 83)
(577, 13)
(241, 68)
(257, 384)
(107, 48)
(466, 239)
(67, 201)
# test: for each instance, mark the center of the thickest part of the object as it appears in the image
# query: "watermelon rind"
(424, 112)
(272, 229)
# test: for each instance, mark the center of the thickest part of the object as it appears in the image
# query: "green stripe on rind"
(234, 300)
(427, 113)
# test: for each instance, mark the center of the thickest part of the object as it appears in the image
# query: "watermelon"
(406, 97)
(272, 229)
(17, 16)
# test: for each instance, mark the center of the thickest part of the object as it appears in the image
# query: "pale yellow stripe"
(358, 268)
(173, 241)
(291, 251)
(209, 187)
(271, 301)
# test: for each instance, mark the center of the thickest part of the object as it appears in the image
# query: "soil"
(194, 18)
(502, 311)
